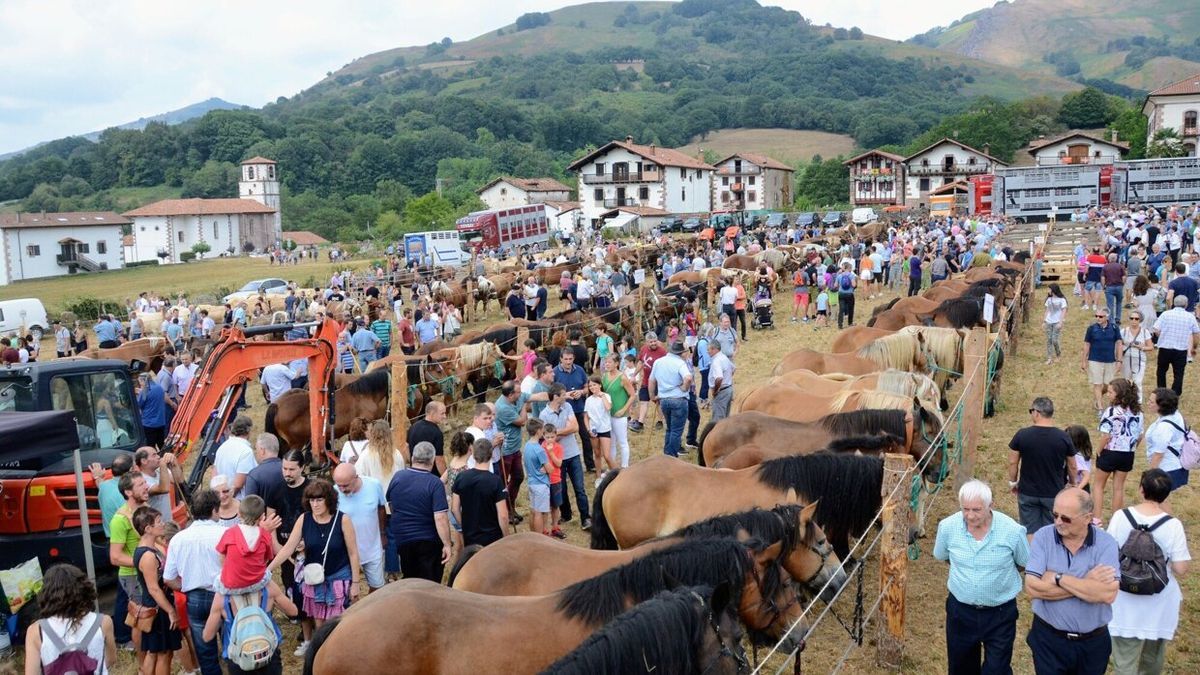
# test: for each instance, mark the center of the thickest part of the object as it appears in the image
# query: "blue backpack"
(846, 282)
(252, 637)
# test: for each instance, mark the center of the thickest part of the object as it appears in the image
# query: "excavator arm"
(209, 402)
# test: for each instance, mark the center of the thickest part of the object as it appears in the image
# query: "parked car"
(273, 285)
(672, 224)
(27, 313)
(807, 219)
(777, 220)
(833, 219)
(863, 215)
(692, 225)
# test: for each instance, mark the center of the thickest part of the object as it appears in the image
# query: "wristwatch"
(1058, 579)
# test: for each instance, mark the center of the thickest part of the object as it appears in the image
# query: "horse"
(795, 403)
(943, 347)
(533, 564)
(657, 496)
(142, 354)
(437, 617)
(891, 380)
(898, 351)
(952, 313)
(685, 630)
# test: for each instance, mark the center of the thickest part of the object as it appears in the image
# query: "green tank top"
(616, 391)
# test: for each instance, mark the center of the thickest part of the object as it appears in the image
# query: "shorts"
(1090, 285)
(539, 497)
(603, 434)
(644, 394)
(1129, 283)
(1112, 461)
(556, 495)
(879, 276)
(373, 571)
(801, 297)
(1179, 478)
(1035, 512)
(866, 275)
(1079, 277)
(822, 312)
(1101, 373)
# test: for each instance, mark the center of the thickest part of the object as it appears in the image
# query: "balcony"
(632, 177)
(1068, 160)
(953, 169)
(614, 203)
(746, 170)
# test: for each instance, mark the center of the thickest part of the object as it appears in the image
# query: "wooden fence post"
(975, 375)
(469, 306)
(896, 517)
(399, 406)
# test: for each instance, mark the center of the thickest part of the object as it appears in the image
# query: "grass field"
(786, 145)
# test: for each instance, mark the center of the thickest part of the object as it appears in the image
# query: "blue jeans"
(1113, 296)
(365, 358)
(121, 632)
(572, 469)
(693, 417)
(208, 655)
(674, 412)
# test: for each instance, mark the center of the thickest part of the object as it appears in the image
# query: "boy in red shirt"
(246, 551)
(554, 452)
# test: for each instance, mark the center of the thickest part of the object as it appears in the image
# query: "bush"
(187, 256)
(141, 263)
(89, 308)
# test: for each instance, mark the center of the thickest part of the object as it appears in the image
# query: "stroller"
(764, 316)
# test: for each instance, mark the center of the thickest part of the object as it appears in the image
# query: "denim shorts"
(1093, 285)
(556, 495)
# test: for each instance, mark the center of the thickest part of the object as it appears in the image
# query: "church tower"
(260, 182)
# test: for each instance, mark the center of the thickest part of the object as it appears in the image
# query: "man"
(107, 333)
(1113, 276)
(726, 337)
(366, 343)
(404, 327)
(276, 380)
(1041, 460)
(670, 380)
(728, 299)
(152, 403)
(543, 374)
(1183, 286)
(559, 414)
(160, 474)
(1176, 330)
(573, 378)
(382, 328)
(845, 283)
(235, 457)
(427, 329)
(427, 430)
(720, 381)
(984, 549)
(652, 350)
(1073, 575)
(191, 566)
(419, 526)
(123, 540)
(479, 501)
(62, 339)
(183, 374)
(531, 297)
(914, 272)
(283, 495)
(1101, 357)
(111, 500)
(361, 498)
(267, 477)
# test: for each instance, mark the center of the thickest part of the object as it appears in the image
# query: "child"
(672, 331)
(526, 359)
(246, 551)
(554, 452)
(1082, 441)
(598, 420)
(537, 472)
(822, 308)
(604, 346)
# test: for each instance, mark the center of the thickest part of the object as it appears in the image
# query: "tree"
(44, 197)
(1086, 109)
(856, 33)
(840, 34)
(1130, 126)
(824, 182)
(532, 20)
(214, 179)
(200, 248)
(1166, 143)
(429, 211)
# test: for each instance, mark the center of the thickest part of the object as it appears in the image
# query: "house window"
(1189, 120)
(724, 197)
(33, 250)
(216, 234)
(503, 192)
(971, 161)
(725, 180)
(643, 193)
(925, 162)
(599, 168)
(598, 195)
(180, 236)
(924, 185)
(682, 173)
(143, 228)
(683, 194)
(101, 247)
(751, 180)
(750, 196)
(249, 173)
(271, 172)
(83, 248)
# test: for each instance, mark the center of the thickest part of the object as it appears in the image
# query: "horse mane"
(885, 307)
(665, 632)
(765, 525)
(373, 383)
(1021, 257)
(871, 399)
(877, 443)
(962, 312)
(692, 561)
(945, 344)
(474, 356)
(898, 350)
(846, 487)
(858, 422)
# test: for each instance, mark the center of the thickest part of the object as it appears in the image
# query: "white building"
(260, 183)
(507, 191)
(623, 173)
(751, 182)
(941, 164)
(229, 226)
(34, 245)
(1075, 147)
(1175, 106)
(876, 179)
(564, 216)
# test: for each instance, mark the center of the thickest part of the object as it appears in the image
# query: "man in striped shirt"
(382, 328)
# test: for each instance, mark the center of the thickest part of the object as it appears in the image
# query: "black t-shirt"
(287, 503)
(478, 492)
(424, 430)
(1044, 452)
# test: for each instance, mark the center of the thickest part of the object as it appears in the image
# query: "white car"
(862, 216)
(26, 313)
(252, 288)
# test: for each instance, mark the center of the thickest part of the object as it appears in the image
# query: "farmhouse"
(563, 216)
(507, 191)
(34, 245)
(750, 182)
(876, 178)
(1074, 147)
(623, 173)
(302, 238)
(941, 164)
(1175, 106)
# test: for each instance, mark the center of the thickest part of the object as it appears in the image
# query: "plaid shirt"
(982, 573)
(1175, 329)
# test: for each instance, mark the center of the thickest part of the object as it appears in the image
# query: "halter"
(824, 554)
(738, 656)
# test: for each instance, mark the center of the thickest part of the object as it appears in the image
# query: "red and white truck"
(506, 229)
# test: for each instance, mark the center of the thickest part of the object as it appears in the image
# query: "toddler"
(246, 551)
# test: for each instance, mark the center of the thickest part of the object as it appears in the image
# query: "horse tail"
(319, 637)
(700, 451)
(603, 538)
(467, 553)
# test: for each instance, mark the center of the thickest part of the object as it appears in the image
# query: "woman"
(622, 394)
(79, 341)
(1164, 437)
(597, 418)
(452, 321)
(65, 606)
(460, 452)
(1056, 311)
(329, 543)
(228, 512)
(380, 459)
(1136, 338)
(356, 441)
(1144, 300)
(1120, 430)
(1142, 625)
(160, 642)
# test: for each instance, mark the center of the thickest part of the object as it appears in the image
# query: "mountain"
(1143, 44)
(188, 112)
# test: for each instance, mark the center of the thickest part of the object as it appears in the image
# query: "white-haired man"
(984, 549)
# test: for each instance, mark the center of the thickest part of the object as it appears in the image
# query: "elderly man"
(720, 381)
(420, 525)
(984, 549)
(652, 350)
(160, 472)
(1176, 330)
(183, 374)
(361, 498)
(670, 381)
(192, 565)
(235, 457)
(1101, 356)
(1072, 576)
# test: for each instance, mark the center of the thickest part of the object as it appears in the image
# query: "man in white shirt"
(720, 381)
(235, 457)
(62, 339)
(1176, 330)
(277, 379)
(192, 565)
(361, 498)
(728, 298)
(183, 373)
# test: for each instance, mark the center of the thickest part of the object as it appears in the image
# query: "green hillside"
(1142, 44)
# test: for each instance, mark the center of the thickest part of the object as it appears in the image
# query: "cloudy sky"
(74, 66)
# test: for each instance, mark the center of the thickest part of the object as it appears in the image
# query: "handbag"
(140, 617)
(314, 573)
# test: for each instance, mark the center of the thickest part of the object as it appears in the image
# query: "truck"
(507, 228)
(1037, 192)
(438, 248)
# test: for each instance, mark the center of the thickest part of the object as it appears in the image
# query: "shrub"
(187, 256)
(89, 308)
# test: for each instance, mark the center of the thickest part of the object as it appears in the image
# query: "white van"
(29, 313)
(863, 215)
(441, 248)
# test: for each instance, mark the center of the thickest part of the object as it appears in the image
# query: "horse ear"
(807, 513)
(669, 580)
(721, 597)
(765, 556)
(791, 497)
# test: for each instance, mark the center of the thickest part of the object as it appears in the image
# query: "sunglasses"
(1101, 316)
(1066, 519)
(1135, 318)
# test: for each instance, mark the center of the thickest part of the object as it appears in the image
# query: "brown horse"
(657, 496)
(141, 354)
(898, 351)
(436, 617)
(533, 564)
(916, 385)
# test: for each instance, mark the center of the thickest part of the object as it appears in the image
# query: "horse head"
(812, 562)
(770, 605)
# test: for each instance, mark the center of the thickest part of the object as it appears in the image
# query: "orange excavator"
(211, 399)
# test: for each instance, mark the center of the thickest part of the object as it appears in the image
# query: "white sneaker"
(302, 649)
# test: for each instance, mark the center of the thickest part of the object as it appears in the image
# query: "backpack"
(1143, 564)
(253, 636)
(1189, 452)
(846, 282)
(73, 659)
